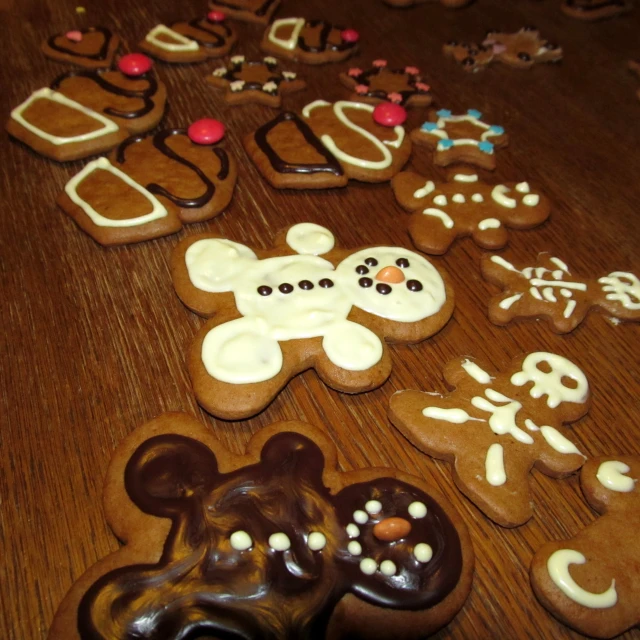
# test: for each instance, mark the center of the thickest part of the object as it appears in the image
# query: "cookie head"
(621, 292)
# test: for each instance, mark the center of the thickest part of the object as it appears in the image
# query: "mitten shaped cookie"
(495, 428)
(286, 310)
(590, 582)
(90, 111)
(258, 11)
(591, 10)
(93, 47)
(276, 543)
(153, 184)
(550, 291)
(463, 206)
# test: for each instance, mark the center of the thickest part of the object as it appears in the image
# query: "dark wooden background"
(95, 339)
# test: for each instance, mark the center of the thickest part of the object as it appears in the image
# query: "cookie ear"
(167, 471)
(293, 455)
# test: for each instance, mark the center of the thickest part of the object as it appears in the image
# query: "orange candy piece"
(390, 274)
(392, 529)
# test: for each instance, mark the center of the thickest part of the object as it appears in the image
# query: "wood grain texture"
(95, 340)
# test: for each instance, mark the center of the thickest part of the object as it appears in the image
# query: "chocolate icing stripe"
(323, 38)
(280, 165)
(197, 25)
(101, 55)
(223, 156)
(597, 6)
(260, 11)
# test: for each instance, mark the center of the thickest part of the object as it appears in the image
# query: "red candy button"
(74, 36)
(216, 16)
(134, 64)
(389, 115)
(206, 131)
(350, 35)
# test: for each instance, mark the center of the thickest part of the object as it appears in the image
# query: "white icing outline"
(184, 43)
(292, 41)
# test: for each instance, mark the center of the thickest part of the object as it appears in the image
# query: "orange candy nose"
(392, 529)
(390, 274)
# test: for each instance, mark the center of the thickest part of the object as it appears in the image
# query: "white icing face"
(622, 287)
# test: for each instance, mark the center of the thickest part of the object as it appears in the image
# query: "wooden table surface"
(95, 340)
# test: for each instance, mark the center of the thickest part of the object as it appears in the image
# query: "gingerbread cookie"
(286, 310)
(309, 41)
(90, 111)
(634, 66)
(93, 47)
(259, 11)
(258, 81)
(400, 86)
(192, 41)
(520, 50)
(466, 206)
(152, 185)
(331, 144)
(494, 427)
(549, 290)
(450, 4)
(463, 138)
(590, 582)
(276, 543)
(591, 10)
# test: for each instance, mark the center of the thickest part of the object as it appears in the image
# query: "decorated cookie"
(591, 10)
(90, 111)
(152, 185)
(463, 138)
(450, 4)
(634, 66)
(283, 311)
(494, 427)
(93, 48)
(379, 83)
(193, 41)
(309, 41)
(276, 543)
(330, 144)
(590, 582)
(521, 50)
(549, 290)
(259, 11)
(465, 206)
(259, 81)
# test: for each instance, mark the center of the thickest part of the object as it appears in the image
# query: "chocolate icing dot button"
(74, 36)
(389, 114)
(134, 64)
(216, 16)
(350, 35)
(206, 131)
(392, 529)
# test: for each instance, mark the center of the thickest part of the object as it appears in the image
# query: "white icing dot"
(368, 566)
(477, 197)
(360, 516)
(440, 200)
(279, 541)
(240, 540)
(522, 187)
(316, 541)
(531, 200)
(459, 198)
(352, 530)
(417, 510)
(388, 568)
(373, 506)
(423, 552)
(354, 548)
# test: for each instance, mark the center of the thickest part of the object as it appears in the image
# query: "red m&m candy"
(206, 131)
(134, 64)
(215, 16)
(389, 115)
(350, 35)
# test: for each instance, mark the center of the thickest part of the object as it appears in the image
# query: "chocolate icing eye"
(384, 289)
(414, 285)
(361, 269)
(365, 282)
(305, 284)
(264, 290)
(402, 263)
(285, 287)
(524, 56)
(326, 283)
(371, 262)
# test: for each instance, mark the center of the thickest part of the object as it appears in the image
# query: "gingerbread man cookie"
(94, 47)
(258, 81)
(495, 427)
(259, 11)
(466, 206)
(309, 41)
(463, 138)
(276, 543)
(591, 10)
(520, 50)
(331, 144)
(634, 66)
(450, 4)
(400, 86)
(549, 290)
(192, 41)
(590, 582)
(283, 311)
(153, 185)
(90, 111)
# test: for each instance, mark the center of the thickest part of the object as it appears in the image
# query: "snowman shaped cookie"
(282, 311)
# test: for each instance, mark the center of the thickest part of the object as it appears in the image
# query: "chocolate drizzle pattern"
(324, 44)
(260, 11)
(282, 166)
(204, 585)
(96, 75)
(365, 78)
(236, 68)
(101, 54)
(199, 24)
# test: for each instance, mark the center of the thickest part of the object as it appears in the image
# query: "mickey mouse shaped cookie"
(273, 544)
(286, 310)
(590, 582)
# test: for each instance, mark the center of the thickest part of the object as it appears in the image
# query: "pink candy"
(206, 131)
(395, 97)
(134, 64)
(354, 73)
(421, 86)
(74, 36)
(362, 89)
(379, 64)
(412, 71)
(216, 16)
(389, 115)
(350, 35)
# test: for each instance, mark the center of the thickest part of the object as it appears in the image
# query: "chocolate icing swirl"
(99, 55)
(204, 586)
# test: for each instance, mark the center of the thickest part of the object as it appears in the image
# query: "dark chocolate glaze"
(365, 79)
(236, 68)
(202, 586)
(260, 11)
(586, 5)
(200, 24)
(100, 55)
(280, 165)
(159, 142)
(324, 38)
(95, 75)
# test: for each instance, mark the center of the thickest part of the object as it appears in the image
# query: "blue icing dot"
(429, 126)
(446, 144)
(497, 129)
(474, 113)
(485, 146)
(443, 113)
